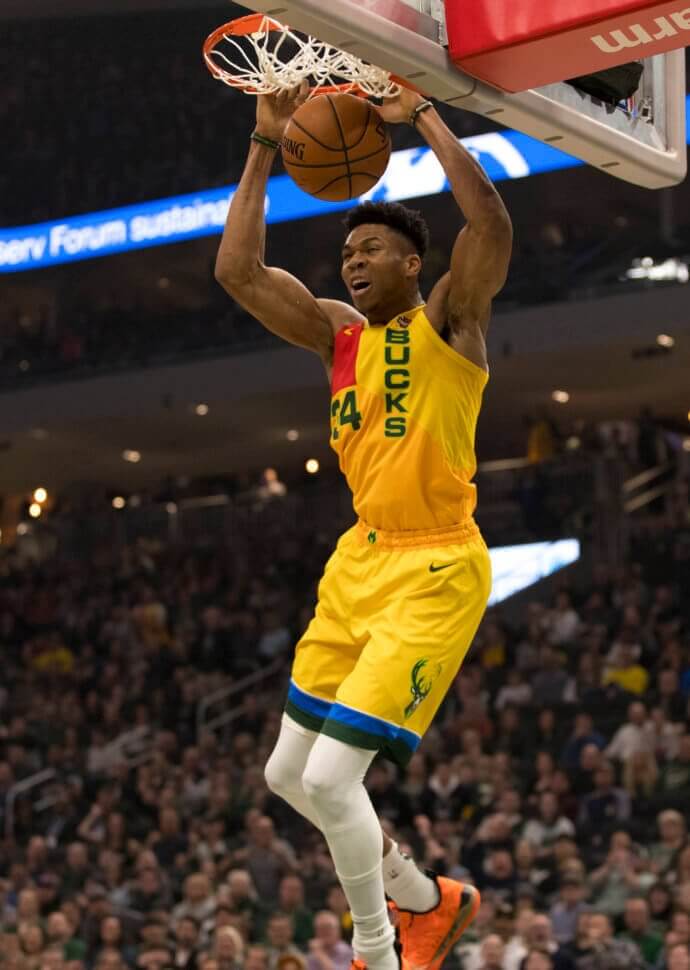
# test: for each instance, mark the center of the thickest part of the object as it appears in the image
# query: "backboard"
(643, 143)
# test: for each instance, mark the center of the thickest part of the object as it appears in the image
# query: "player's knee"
(323, 789)
(279, 777)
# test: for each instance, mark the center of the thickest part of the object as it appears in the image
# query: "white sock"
(333, 780)
(408, 886)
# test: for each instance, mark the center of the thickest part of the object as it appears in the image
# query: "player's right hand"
(273, 111)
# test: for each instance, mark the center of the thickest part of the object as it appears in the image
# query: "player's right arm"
(276, 298)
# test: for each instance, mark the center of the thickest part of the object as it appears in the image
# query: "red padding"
(519, 45)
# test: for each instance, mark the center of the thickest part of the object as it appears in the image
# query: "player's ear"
(413, 265)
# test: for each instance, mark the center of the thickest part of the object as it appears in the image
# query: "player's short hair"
(408, 222)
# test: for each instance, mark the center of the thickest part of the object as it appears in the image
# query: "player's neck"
(383, 315)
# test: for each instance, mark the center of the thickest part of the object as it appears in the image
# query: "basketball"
(336, 147)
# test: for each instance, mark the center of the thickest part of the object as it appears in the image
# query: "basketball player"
(403, 593)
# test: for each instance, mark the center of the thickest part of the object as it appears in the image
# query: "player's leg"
(426, 621)
(333, 780)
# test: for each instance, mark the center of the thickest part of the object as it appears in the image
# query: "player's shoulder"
(340, 314)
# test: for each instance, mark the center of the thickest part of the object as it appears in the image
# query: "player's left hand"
(398, 110)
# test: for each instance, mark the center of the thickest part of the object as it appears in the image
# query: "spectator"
(228, 948)
(678, 957)
(389, 802)
(626, 673)
(157, 958)
(538, 960)
(148, 892)
(583, 734)
(604, 952)
(567, 909)
(77, 868)
(291, 903)
(491, 953)
(516, 946)
(242, 897)
(186, 950)
(256, 959)
(199, 902)
(549, 685)
(539, 936)
(667, 697)
(617, 879)
(498, 876)
(280, 939)
(31, 943)
(675, 774)
(61, 934)
(267, 858)
(327, 950)
(631, 736)
(663, 735)
(607, 806)
(563, 622)
(640, 774)
(672, 838)
(637, 929)
(543, 831)
(169, 842)
(590, 760)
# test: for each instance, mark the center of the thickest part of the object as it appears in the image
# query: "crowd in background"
(41, 344)
(556, 776)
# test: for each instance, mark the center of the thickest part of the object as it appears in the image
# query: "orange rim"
(254, 23)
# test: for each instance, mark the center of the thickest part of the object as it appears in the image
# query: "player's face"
(374, 267)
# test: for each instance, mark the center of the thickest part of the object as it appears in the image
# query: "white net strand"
(263, 72)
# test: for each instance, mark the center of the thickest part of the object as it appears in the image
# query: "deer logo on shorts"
(419, 687)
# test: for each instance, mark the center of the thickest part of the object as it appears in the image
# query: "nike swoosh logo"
(437, 569)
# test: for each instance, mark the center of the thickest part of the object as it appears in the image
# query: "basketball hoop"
(258, 55)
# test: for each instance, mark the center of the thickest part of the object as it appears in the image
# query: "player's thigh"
(328, 651)
(419, 641)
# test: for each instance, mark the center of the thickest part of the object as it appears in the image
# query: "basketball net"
(258, 55)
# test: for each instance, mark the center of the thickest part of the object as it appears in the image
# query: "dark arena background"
(168, 500)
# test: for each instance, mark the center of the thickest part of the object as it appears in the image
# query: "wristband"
(422, 106)
(263, 140)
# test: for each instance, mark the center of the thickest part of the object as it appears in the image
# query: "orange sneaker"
(358, 965)
(426, 938)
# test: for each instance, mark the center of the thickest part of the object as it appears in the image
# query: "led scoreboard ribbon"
(411, 173)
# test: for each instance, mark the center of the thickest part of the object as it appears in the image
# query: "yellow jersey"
(404, 411)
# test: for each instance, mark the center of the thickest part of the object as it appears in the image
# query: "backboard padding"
(406, 41)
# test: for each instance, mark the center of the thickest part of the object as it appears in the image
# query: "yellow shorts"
(395, 617)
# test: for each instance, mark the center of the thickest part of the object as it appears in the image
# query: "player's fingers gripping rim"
(295, 96)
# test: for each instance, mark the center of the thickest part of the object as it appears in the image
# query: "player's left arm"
(482, 250)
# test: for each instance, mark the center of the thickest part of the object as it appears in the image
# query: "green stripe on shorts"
(396, 751)
(310, 721)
